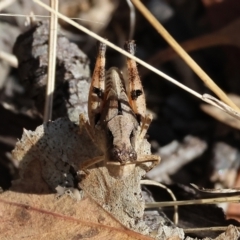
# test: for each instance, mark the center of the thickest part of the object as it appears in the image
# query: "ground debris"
(72, 71)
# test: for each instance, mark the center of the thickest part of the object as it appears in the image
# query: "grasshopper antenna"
(132, 19)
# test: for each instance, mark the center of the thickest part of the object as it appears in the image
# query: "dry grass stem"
(183, 54)
(44, 16)
(51, 63)
(234, 199)
(213, 229)
(10, 58)
(153, 183)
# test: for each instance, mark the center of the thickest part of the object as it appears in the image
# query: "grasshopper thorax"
(117, 122)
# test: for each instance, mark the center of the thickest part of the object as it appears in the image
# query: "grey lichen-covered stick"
(117, 117)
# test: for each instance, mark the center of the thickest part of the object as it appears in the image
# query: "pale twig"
(148, 66)
(52, 48)
(153, 183)
(234, 199)
(6, 3)
(9, 58)
(220, 229)
(183, 54)
(44, 16)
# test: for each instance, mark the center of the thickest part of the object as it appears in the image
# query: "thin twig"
(153, 183)
(183, 54)
(213, 229)
(234, 199)
(52, 48)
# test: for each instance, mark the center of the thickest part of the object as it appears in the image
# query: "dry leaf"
(121, 197)
(90, 10)
(47, 155)
(48, 158)
(30, 216)
(51, 151)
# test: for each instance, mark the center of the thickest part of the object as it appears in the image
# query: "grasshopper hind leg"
(135, 91)
(97, 88)
(136, 94)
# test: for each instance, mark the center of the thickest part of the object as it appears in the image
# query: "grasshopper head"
(123, 154)
(121, 147)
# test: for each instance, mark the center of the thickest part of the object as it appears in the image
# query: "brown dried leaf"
(120, 197)
(90, 10)
(31, 216)
(47, 155)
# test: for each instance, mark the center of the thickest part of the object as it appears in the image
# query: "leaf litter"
(65, 179)
(49, 159)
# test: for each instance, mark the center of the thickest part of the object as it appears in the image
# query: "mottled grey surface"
(72, 71)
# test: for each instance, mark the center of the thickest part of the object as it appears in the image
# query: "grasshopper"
(117, 117)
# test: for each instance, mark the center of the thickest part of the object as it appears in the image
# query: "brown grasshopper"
(117, 117)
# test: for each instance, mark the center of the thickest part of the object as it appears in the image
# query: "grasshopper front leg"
(154, 159)
(90, 162)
